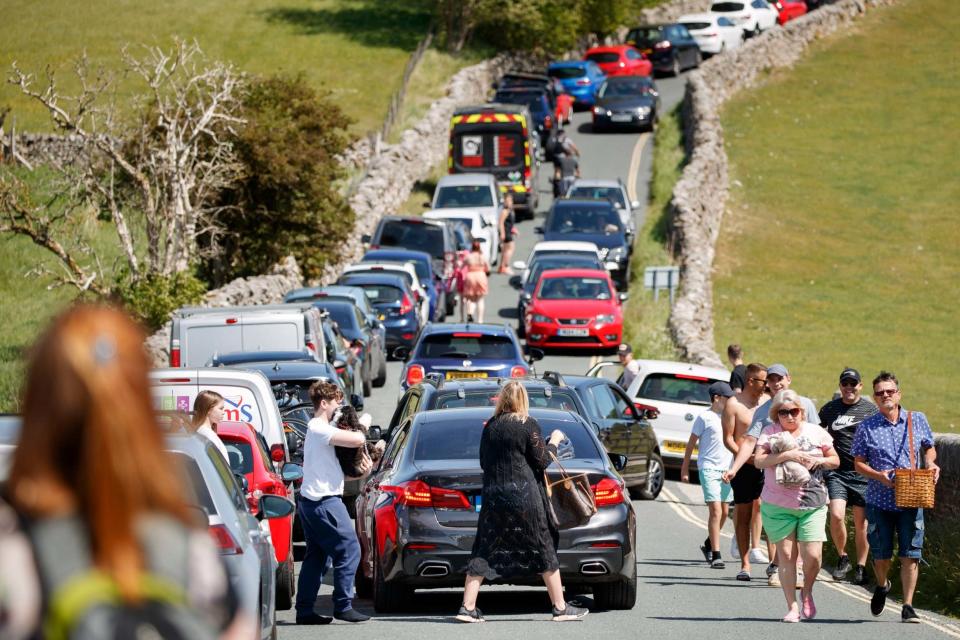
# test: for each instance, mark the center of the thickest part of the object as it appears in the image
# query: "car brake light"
(175, 357)
(321, 294)
(224, 540)
(175, 380)
(231, 321)
(709, 35)
(415, 374)
(605, 545)
(663, 44)
(685, 376)
(518, 371)
(340, 370)
(648, 408)
(548, 122)
(277, 454)
(311, 346)
(406, 305)
(418, 493)
(466, 334)
(607, 493)
(583, 82)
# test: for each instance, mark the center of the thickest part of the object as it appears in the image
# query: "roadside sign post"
(657, 278)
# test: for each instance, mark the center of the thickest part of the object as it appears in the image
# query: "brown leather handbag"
(914, 487)
(570, 499)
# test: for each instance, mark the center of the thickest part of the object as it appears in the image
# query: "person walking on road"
(514, 535)
(566, 172)
(880, 447)
(736, 419)
(631, 368)
(94, 512)
(841, 417)
(738, 376)
(794, 512)
(475, 282)
(713, 459)
(327, 526)
(207, 413)
(508, 222)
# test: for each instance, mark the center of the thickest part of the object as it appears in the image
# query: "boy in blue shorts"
(713, 459)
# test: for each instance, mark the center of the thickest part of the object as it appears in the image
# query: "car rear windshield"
(415, 236)
(670, 387)
(421, 267)
(565, 73)
(197, 486)
(488, 398)
(382, 294)
(602, 58)
(642, 36)
(723, 7)
(460, 440)
(696, 26)
(467, 344)
(613, 194)
(574, 289)
(343, 316)
(584, 220)
(529, 99)
(623, 89)
(464, 196)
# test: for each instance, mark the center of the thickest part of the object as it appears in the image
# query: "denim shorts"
(907, 524)
(713, 486)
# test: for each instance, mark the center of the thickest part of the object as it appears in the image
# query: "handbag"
(914, 488)
(570, 500)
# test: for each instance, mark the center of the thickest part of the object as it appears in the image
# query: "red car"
(577, 308)
(788, 10)
(248, 457)
(620, 60)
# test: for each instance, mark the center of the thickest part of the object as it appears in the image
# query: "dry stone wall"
(700, 196)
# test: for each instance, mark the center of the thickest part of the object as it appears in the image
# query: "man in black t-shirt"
(840, 418)
(738, 377)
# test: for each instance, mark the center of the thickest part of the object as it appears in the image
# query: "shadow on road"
(744, 619)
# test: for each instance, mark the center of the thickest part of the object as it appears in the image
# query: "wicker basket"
(914, 488)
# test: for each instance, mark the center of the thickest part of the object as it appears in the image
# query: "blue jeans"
(329, 534)
(907, 524)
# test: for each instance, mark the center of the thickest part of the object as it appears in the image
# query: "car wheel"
(675, 70)
(286, 586)
(388, 597)
(697, 59)
(367, 384)
(621, 594)
(381, 378)
(655, 476)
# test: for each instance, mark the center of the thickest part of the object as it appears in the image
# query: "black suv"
(670, 47)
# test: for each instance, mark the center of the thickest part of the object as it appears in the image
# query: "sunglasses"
(883, 393)
(763, 380)
(793, 413)
(848, 383)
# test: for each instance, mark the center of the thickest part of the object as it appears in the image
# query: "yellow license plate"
(455, 375)
(676, 446)
(647, 51)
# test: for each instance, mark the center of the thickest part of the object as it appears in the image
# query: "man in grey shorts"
(841, 417)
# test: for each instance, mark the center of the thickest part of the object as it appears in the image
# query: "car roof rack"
(554, 377)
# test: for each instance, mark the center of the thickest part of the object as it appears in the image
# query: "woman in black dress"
(514, 535)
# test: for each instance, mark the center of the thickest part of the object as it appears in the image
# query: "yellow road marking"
(635, 165)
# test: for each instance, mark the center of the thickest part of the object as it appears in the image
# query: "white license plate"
(621, 117)
(573, 332)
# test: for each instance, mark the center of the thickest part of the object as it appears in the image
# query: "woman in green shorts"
(794, 510)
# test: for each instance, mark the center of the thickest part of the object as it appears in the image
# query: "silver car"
(243, 540)
(614, 191)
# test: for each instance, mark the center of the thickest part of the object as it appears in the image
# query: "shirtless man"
(736, 420)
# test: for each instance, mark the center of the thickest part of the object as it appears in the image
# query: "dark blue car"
(436, 291)
(580, 78)
(596, 221)
(392, 298)
(466, 351)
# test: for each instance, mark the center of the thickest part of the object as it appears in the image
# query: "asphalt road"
(678, 595)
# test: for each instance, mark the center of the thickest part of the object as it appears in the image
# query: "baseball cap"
(624, 348)
(720, 389)
(850, 373)
(777, 370)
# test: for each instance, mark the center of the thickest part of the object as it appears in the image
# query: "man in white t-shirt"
(327, 526)
(631, 368)
(713, 459)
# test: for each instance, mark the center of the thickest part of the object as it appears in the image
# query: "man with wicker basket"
(894, 450)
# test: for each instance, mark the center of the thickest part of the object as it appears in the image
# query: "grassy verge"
(645, 321)
(840, 243)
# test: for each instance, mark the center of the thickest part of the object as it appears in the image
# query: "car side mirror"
(480, 240)
(636, 203)
(339, 364)
(242, 481)
(402, 353)
(610, 266)
(365, 238)
(356, 401)
(271, 507)
(623, 296)
(527, 297)
(291, 472)
(538, 230)
(533, 354)
(426, 205)
(618, 460)
(519, 265)
(374, 433)
(515, 282)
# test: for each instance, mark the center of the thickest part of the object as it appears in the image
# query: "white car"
(676, 392)
(560, 247)
(488, 233)
(753, 16)
(614, 191)
(714, 33)
(477, 191)
(409, 271)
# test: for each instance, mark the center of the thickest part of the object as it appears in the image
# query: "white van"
(199, 334)
(247, 398)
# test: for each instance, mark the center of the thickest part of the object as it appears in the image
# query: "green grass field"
(839, 247)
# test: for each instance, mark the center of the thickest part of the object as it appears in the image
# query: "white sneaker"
(734, 551)
(757, 556)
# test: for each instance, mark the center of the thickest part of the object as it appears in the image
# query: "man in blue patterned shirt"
(881, 446)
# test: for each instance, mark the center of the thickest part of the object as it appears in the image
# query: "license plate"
(622, 117)
(675, 446)
(455, 375)
(647, 52)
(573, 332)
(477, 500)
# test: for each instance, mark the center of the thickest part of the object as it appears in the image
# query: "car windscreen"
(613, 194)
(669, 387)
(576, 288)
(467, 345)
(196, 485)
(459, 196)
(558, 399)
(695, 26)
(407, 277)
(584, 220)
(532, 100)
(381, 293)
(460, 440)
(566, 262)
(603, 58)
(412, 235)
(565, 73)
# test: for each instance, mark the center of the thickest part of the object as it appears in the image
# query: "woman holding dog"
(794, 504)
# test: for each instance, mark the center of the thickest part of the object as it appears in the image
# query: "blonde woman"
(514, 535)
(795, 513)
